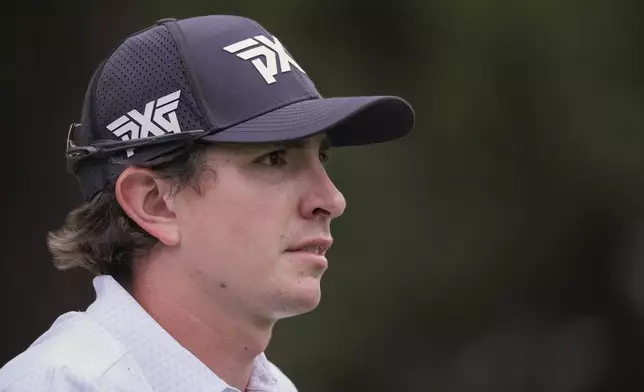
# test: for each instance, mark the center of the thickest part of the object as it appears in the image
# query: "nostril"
(321, 211)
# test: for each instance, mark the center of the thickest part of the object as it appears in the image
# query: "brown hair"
(100, 237)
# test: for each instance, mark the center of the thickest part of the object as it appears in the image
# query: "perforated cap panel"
(144, 68)
(130, 86)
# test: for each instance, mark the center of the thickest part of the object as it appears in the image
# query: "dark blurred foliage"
(500, 247)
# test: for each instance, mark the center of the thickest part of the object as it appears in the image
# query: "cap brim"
(348, 121)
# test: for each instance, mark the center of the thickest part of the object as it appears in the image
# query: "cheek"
(238, 233)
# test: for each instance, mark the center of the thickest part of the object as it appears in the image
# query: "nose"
(322, 199)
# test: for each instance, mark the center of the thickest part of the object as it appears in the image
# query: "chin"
(302, 298)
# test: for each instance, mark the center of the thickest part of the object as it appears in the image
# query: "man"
(200, 154)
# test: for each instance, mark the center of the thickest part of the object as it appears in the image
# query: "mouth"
(317, 246)
(317, 249)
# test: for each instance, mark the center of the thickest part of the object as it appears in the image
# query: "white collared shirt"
(115, 345)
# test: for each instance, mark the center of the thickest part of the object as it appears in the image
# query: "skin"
(223, 271)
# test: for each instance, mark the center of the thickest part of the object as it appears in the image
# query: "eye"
(325, 157)
(273, 158)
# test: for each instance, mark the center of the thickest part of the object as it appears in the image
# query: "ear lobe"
(144, 199)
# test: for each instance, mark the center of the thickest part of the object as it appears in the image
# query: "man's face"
(254, 240)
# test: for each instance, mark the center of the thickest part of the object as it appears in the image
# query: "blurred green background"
(500, 247)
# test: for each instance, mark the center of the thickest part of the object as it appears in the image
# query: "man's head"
(202, 143)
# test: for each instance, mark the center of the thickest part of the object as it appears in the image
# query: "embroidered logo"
(158, 118)
(272, 51)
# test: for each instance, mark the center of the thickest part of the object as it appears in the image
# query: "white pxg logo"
(272, 51)
(158, 118)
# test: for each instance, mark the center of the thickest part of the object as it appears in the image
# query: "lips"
(317, 249)
(317, 246)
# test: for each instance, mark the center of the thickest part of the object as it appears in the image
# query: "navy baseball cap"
(215, 79)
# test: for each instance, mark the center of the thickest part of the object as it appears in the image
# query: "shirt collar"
(167, 365)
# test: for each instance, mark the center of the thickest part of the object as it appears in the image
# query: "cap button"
(165, 20)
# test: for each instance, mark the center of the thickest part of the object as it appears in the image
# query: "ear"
(144, 198)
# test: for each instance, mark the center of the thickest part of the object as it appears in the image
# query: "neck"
(226, 343)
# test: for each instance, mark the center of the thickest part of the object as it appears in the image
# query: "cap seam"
(193, 79)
